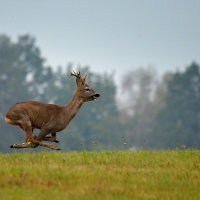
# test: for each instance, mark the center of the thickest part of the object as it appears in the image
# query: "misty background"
(141, 56)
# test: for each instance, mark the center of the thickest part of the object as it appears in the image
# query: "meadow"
(100, 175)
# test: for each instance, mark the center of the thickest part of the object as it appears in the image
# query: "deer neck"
(73, 106)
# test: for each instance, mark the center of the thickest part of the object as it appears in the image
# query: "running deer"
(49, 118)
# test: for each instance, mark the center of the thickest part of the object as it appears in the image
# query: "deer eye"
(87, 89)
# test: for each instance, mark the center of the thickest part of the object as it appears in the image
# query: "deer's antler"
(79, 79)
(76, 74)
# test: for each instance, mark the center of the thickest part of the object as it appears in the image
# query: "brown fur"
(49, 118)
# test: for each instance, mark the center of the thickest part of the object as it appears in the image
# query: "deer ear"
(82, 81)
(85, 79)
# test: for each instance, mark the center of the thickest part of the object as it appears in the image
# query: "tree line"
(153, 112)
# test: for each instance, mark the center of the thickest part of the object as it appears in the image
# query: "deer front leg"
(38, 143)
(41, 137)
(51, 138)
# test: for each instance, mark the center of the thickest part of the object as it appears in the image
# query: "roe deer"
(49, 118)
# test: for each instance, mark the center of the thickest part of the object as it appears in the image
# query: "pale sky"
(108, 35)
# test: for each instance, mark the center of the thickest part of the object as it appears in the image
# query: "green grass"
(100, 175)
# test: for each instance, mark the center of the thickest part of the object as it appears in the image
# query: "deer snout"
(95, 96)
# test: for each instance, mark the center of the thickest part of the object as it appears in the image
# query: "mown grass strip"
(101, 175)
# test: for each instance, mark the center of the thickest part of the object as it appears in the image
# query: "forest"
(151, 112)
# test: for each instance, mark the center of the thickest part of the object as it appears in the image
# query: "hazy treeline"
(152, 113)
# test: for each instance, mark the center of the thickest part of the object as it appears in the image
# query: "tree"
(96, 123)
(22, 76)
(12, 83)
(138, 88)
(178, 121)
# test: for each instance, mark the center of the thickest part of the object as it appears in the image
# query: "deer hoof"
(56, 141)
(56, 148)
(13, 146)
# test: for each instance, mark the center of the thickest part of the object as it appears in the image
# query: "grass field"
(100, 175)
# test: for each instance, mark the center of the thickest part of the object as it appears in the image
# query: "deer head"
(83, 89)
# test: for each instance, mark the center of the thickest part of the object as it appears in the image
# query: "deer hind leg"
(27, 128)
(51, 138)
